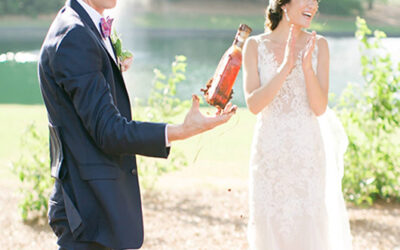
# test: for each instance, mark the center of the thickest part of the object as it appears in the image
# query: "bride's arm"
(257, 96)
(317, 84)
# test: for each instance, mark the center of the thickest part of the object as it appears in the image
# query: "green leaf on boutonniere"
(126, 54)
(122, 54)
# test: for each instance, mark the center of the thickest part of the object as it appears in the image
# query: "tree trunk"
(370, 4)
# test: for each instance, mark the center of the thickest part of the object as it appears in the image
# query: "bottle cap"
(242, 34)
(245, 28)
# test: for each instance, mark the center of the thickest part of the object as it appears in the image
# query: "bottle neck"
(239, 41)
(241, 35)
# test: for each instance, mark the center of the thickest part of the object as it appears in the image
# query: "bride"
(297, 153)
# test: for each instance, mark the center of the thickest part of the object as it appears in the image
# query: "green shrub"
(33, 171)
(162, 106)
(371, 115)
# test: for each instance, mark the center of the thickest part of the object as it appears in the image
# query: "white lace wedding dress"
(296, 168)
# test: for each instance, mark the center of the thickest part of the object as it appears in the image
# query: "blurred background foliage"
(37, 7)
(370, 114)
(342, 7)
(29, 7)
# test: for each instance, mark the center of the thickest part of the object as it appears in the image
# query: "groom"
(95, 203)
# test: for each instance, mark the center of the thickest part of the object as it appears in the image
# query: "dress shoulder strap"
(258, 39)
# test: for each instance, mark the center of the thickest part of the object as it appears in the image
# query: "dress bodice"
(292, 97)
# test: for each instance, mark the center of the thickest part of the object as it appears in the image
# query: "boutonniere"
(124, 57)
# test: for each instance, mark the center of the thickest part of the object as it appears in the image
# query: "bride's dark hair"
(274, 13)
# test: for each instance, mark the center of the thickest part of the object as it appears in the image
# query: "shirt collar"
(94, 15)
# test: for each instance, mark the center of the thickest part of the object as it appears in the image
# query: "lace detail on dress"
(292, 97)
(287, 160)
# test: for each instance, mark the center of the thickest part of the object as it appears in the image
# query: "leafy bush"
(34, 172)
(371, 117)
(162, 106)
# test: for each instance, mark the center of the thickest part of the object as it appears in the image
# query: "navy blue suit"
(93, 141)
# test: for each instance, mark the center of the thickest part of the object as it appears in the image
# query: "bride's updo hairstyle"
(274, 13)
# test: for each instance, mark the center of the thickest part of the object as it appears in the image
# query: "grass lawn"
(221, 153)
(19, 82)
(14, 119)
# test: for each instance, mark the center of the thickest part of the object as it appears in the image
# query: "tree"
(29, 7)
(340, 7)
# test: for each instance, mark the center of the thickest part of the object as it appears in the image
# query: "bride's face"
(301, 12)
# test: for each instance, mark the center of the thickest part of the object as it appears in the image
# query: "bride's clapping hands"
(289, 58)
(307, 56)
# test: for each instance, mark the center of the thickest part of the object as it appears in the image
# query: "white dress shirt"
(96, 17)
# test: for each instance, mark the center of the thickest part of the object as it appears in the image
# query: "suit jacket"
(93, 141)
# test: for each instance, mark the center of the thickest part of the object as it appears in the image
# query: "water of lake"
(157, 49)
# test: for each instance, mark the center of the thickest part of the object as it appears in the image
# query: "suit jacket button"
(134, 172)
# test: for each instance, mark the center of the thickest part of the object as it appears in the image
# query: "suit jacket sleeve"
(77, 67)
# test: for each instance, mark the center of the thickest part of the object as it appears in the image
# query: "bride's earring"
(286, 15)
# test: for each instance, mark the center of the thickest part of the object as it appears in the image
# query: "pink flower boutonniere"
(125, 57)
(105, 25)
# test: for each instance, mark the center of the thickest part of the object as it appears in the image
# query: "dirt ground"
(195, 218)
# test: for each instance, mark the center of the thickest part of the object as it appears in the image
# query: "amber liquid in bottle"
(219, 91)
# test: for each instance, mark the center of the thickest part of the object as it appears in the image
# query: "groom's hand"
(195, 122)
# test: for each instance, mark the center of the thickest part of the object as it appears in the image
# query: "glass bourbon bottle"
(218, 90)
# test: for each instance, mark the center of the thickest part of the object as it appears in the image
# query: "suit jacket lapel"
(113, 48)
(86, 19)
